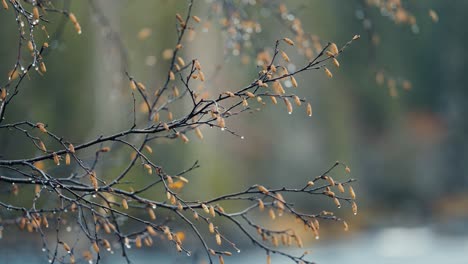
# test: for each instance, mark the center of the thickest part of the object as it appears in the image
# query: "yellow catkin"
(66, 247)
(198, 133)
(262, 189)
(148, 241)
(285, 56)
(93, 179)
(175, 91)
(341, 188)
(41, 127)
(221, 122)
(42, 67)
(352, 193)
(278, 87)
(220, 209)
(347, 169)
(211, 227)
(149, 149)
(133, 85)
(5, 4)
(299, 241)
(151, 213)
(107, 228)
(179, 18)
(272, 214)
(333, 49)
(273, 68)
(124, 204)
(293, 81)
(95, 247)
(212, 211)
(289, 41)
(156, 117)
(274, 241)
(330, 180)
(148, 168)
(138, 242)
(72, 18)
(345, 225)
(433, 15)
(171, 76)
(354, 208)
(261, 205)
(3, 94)
(45, 222)
(71, 148)
(105, 149)
(273, 99)
(337, 202)
(288, 105)
(181, 61)
(297, 100)
(183, 179)
(42, 146)
(141, 86)
(30, 46)
(336, 62)
(35, 12)
(309, 109)
(184, 138)
(328, 72)
(75, 22)
(202, 76)
(218, 239)
(197, 19)
(205, 208)
(151, 230)
(221, 259)
(56, 158)
(250, 94)
(170, 116)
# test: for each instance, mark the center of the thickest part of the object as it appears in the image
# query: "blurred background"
(394, 112)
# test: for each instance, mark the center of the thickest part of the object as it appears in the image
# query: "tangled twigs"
(109, 207)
